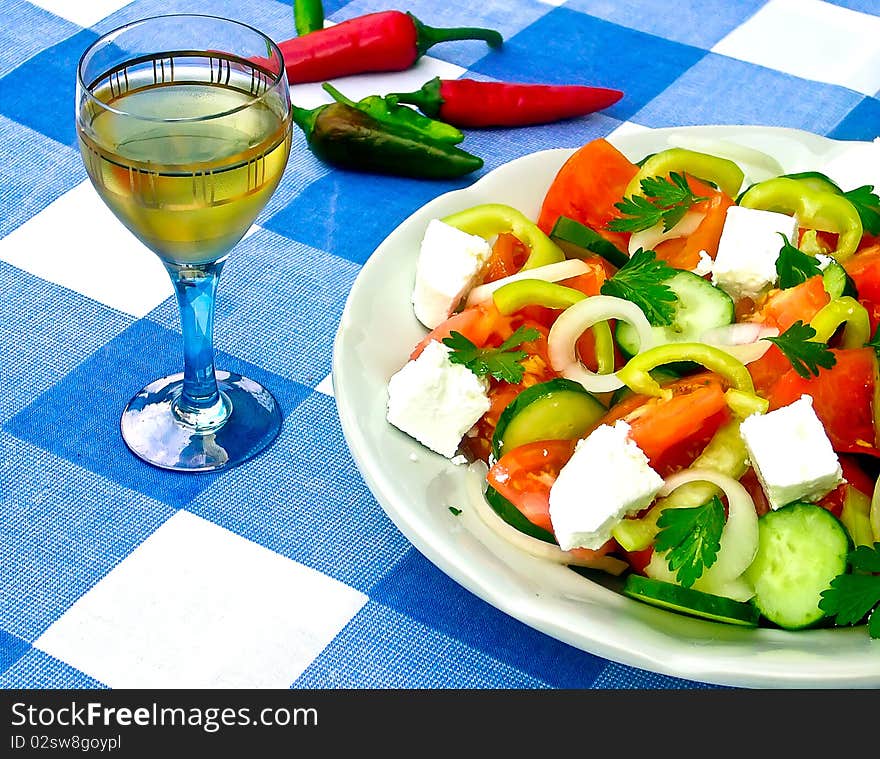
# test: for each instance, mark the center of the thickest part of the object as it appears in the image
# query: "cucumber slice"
(837, 282)
(696, 603)
(801, 549)
(514, 517)
(558, 409)
(579, 241)
(700, 306)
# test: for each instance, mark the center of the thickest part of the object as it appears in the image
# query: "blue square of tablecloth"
(417, 588)
(382, 647)
(41, 93)
(12, 648)
(88, 402)
(745, 93)
(31, 178)
(36, 669)
(27, 30)
(420, 591)
(861, 123)
(52, 317)
(305, 499)
(63, 529)
(865, 6)
(303, 168)
(565, 46)
(366, 654)
(338, 213)
(701, 23)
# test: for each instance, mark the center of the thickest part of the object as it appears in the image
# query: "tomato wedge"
(782, 308)
(507, 257)
(843, 398)
(525, 475)
(586, 188)
(591, 281)
(536, 368)
(864, 268)
(476, 323)
(684, 252)
(673, 432)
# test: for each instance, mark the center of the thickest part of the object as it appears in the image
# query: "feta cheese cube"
(704, 265)
(607, 478)
(745, 265)
(436, 401)
(450, 263)
(823, 261)
(791, 453)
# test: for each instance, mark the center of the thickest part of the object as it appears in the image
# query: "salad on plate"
(670, 375)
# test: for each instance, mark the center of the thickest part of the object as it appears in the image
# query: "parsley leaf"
(662, 199)
(692, 536)
(642, 212)
(641, 280)
(455, 511)
(502, 362)
(852, 597)
(805, 355)
(794, 266)
(668, 192)
(867, 203)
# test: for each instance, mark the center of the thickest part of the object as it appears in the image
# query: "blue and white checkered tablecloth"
(285, 572)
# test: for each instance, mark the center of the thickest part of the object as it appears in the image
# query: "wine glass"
(184, 128)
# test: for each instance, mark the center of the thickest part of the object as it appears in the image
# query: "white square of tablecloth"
(78, 243)
(197, 606)
(810, 39)
(82, 12)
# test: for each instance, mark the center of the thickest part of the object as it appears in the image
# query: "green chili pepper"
(534, 292)
(721, 172)
(308, 16)
(857, 331)
(492, 219)
(743, 403)
(814, 209)
(387, 111)
(349, 138)
(635, 373)
(537, 292)
(604, 347)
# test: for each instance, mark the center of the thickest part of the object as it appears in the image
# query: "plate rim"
(678, 663)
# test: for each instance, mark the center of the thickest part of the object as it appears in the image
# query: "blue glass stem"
(200, 404)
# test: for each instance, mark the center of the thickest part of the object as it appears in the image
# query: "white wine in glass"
(184, 128)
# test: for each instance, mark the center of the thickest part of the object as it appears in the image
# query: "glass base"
(157, 432)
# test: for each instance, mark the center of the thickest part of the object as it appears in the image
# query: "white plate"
(416, 487)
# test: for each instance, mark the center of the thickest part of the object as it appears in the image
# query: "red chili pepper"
(471, 103)
(383, 41)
